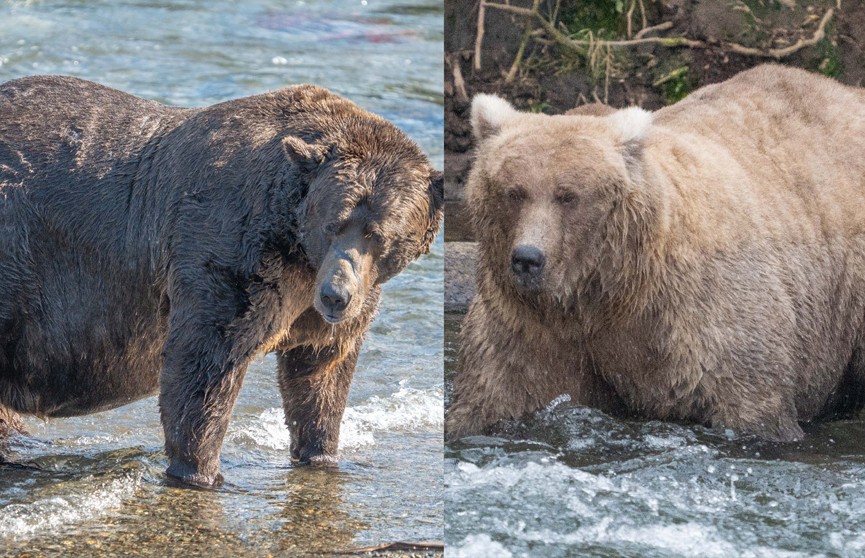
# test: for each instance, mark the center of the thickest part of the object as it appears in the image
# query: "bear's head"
(372, 205)
(552, 196)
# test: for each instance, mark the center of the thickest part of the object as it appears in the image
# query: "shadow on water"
(570, 480)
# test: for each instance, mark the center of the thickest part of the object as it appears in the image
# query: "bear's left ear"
(436, 209)
(489, 113)
(307, 156)
(631, 124)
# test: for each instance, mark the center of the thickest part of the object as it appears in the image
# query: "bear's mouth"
(528, 286)
(332, 318)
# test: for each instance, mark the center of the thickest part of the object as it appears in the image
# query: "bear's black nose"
(527, 262)
(334, 298)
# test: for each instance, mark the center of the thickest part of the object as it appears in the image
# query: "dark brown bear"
(147, 248)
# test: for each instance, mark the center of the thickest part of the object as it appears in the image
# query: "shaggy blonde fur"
(705, 263)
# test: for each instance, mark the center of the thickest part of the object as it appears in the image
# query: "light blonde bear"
(705, 263)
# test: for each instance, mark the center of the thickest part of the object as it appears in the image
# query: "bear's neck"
(630, 265)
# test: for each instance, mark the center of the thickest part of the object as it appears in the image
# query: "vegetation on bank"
(662, 45)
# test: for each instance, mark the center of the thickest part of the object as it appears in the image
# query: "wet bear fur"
(148, 249)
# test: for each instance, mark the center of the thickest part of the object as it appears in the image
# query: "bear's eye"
(566, 198)
(375, 237)
(516, 194)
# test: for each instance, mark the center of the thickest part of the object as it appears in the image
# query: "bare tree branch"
(779, 53)
(671, 42)
(479, 38)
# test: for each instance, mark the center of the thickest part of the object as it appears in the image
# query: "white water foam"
(685, 539)
(592, 501)
(406, 410)
(52, 512)
(478, 545)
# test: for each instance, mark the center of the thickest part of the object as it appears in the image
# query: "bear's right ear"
(436, 209)
(307, 156)
(632, 123)
(489, 113)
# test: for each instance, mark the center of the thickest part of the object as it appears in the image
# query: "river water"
(95, 484)
(570, 481)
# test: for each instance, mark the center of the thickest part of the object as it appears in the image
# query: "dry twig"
(479, 38)
(459, 82)
(660, 27)
(527, 33)
(642, 16)
(578, 44)
(630, 15)
(779, 53)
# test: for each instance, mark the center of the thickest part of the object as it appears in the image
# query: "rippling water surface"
(571, 481)
(96, 483)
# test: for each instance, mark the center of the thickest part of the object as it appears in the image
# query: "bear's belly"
(92, 341)
(97, 394)
(95, 379)
(128, 377)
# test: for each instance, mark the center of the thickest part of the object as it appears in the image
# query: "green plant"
(595, 14)
(539, 106)
(675, 85)
(829, 59)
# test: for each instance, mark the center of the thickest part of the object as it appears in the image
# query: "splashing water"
(572, 481)
(403, 411)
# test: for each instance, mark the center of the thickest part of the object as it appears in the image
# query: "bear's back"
(775, 148)
(768, 99)
(51, 124)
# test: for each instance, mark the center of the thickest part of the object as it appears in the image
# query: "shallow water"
(571, 481)
(96, 483)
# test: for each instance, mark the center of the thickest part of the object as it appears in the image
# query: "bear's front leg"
(314, 382)
(511, 365)
(199, 384)
(10, 423)
(206, 353)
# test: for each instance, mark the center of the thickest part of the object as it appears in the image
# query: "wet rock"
(457, 166)
(460, 258)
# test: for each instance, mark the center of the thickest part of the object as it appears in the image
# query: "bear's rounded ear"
(489, 114)
(307, 156)
(631, 124)
(436, 209)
